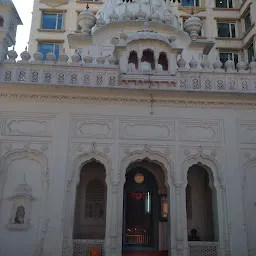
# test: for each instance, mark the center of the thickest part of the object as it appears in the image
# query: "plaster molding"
(204, 103)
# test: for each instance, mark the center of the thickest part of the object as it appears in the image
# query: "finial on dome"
(25, 178)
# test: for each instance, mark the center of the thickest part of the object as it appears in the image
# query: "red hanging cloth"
(138, 196)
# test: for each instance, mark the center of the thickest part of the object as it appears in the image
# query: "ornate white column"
(172, 63)
(114, 218)
(111, 245)
(179, 220)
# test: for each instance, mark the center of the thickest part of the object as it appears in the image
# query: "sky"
(24, 8)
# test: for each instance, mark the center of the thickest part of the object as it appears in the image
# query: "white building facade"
(130, 144)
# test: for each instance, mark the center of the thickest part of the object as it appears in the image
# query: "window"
(45, 48)
(191, 2)
(224, 3)
(224, 56)
(52, 21)
(247, 21)
(250, 51)
(226, 30)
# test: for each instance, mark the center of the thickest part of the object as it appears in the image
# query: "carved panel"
(96, 128)
(199, 131)
(27, 126)
(247, 132)
(157, 130)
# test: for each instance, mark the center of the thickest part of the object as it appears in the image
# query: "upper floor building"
(230, 24)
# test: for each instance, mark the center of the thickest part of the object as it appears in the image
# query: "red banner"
(138, 196)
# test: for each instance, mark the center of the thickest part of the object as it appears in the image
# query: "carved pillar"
(222, 221)
(179, 220)
(111, 243)
(172, 64)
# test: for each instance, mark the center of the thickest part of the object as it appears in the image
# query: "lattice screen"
(203, 249)
(82, 247)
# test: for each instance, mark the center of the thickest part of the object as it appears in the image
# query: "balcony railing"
(82, 247)
(203, 248)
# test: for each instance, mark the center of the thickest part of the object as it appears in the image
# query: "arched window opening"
(94, 198)
(133, 58)
(162, 60)
(1, 21)
(201, 206)
(90, 207)
(148, 56)
(20, 215)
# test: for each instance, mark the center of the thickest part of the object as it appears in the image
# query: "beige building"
(228, 23)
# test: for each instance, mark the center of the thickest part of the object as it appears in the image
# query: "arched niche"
(148, 57)
(133, 59)
(163, 61)
(27, 204)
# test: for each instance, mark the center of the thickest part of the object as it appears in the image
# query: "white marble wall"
(50, 141)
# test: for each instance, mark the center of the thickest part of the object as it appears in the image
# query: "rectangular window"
(250, 51)
(224, 3)
(226, 30)
(191, 2)
(52, 21)
(224, 56)
(247, 21)
(45, 48)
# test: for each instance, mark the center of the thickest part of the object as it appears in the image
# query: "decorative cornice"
(185, 102)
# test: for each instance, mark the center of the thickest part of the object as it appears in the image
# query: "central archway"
(145, 208)
(140, 211)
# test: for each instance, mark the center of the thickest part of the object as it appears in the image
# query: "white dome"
(133, 8)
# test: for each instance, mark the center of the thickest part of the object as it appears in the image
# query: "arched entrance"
(145, 208)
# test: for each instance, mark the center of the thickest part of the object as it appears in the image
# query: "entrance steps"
(143, 253)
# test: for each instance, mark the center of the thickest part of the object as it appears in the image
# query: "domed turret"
(193, 26)
(86, 20)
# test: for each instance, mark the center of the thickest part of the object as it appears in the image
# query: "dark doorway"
(140, 220)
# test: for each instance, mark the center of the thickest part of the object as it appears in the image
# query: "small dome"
(88, 58)
(50, 56)
(100, 22)
(113, 17)
(193, 26)
(23, 189)
(154, 17)
(140, 15)
(217, 64)
(181, 62)
(63, 57)
(25, 56)
(193, 63)
(38, 56)
(229, 64)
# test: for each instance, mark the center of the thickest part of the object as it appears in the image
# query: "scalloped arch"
(26, 153)
(87, 157)
(153, 156)
(206, 161)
